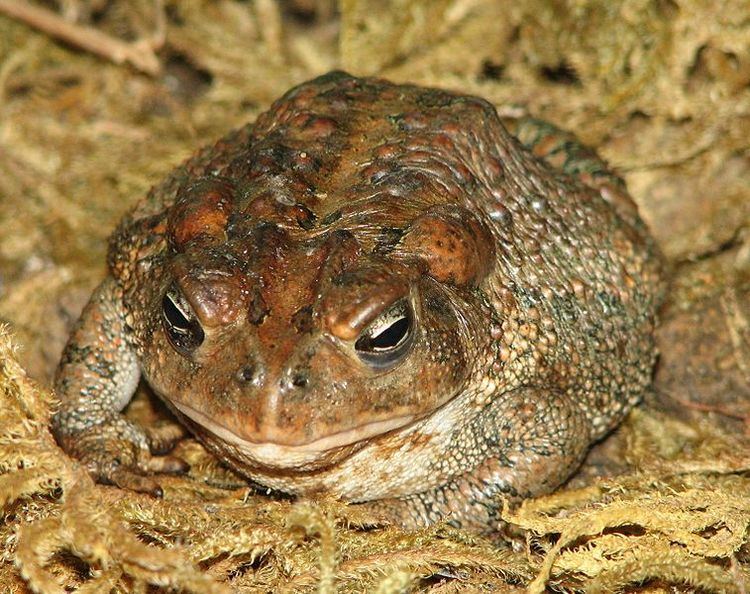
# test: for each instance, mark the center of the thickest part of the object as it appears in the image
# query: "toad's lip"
(269, 450)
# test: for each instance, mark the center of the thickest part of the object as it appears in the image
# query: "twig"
(739, 330)
(269, 16)
(725, 411)
(714, 408)
(140, 54)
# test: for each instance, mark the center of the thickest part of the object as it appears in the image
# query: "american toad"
(376, 291)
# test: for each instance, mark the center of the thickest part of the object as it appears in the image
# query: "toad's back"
(375, 290)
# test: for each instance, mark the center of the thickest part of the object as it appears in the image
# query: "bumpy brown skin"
(530, 281)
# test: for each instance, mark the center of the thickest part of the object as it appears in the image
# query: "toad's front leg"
(524, 443)
(96, 378)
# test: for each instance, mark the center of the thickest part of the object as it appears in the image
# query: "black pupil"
(175, 317)
(388, 340)
(182, 326)
(391, 336)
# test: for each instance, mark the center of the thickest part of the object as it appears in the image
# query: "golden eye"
(388, 338)
(180, 322)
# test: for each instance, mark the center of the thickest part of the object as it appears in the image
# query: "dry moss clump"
(661, 88)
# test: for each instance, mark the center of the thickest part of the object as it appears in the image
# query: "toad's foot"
(121, 453)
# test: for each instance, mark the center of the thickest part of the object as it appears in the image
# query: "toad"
(383, 292)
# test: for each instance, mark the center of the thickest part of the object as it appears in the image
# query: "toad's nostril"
(300, 379)
(246, 373)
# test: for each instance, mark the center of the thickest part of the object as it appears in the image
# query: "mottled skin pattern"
(517, 283)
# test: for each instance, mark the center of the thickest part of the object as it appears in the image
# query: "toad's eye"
(387, 340)
(180, 322)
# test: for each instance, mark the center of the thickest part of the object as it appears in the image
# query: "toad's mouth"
(270, 450)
